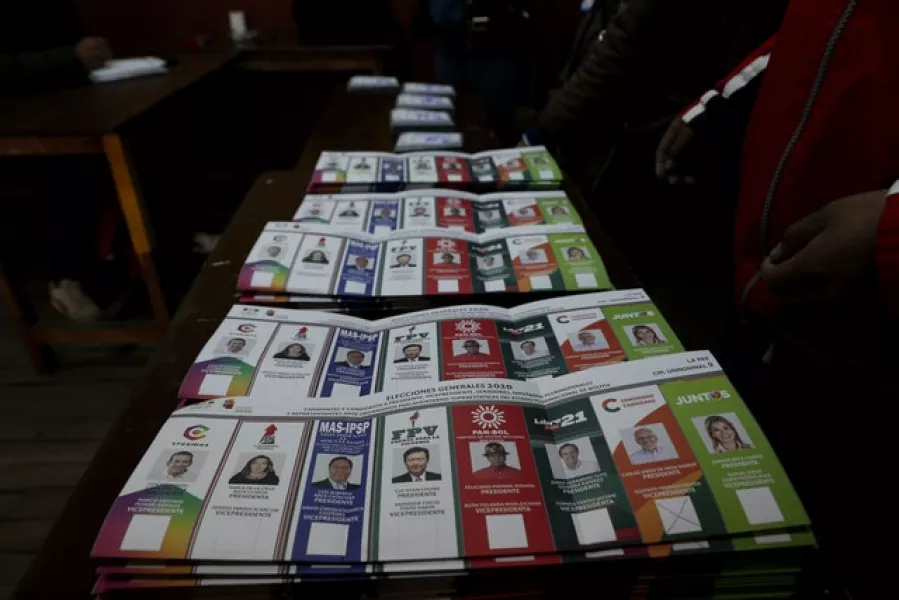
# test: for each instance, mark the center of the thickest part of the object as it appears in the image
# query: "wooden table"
(88, 120)
(287, 56)
(63, 569)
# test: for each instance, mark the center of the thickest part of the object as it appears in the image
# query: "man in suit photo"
(339, 470)
(354, 360)
(416, 460)
(411, 353)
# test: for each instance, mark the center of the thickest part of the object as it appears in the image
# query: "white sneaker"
(70, 299)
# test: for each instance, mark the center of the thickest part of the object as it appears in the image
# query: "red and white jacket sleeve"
(733, 97)
(888, 252)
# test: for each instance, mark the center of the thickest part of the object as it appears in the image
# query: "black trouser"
(68, 194)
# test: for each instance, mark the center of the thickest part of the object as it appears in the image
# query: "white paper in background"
(245, 518)
(118, 69)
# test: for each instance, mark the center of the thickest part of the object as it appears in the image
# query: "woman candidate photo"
(723, 435)
(293, 352)
(646, 335)
(259, 470)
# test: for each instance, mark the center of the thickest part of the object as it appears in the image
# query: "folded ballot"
(430, 89)
(258, 351)
(295, 258)
(414, 210)
(508, 169)
(417, 141)
(416, 101)
(373, 84)
(617, 456)
(128, 68)
(407, 119)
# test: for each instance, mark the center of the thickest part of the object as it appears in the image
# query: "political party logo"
(322, 242)
(301, 333)
(633, 315)
(268, 436)
(228, 404)
(445, 244)
(468, 327)
(611, 405)
(270, 313)
(517, 331)
(249, 311)
(712, 396)
(195, 432)
(280, 238)
(246, 328)
(488, 417)
(413, 418)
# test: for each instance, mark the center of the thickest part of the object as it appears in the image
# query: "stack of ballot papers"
(429, 89)
(296, 258)
(508, 169)
(420, 141)
(452, 210)
(649, 478)
(410, 119)
(248, 355)
(373, 84)
(419, 102)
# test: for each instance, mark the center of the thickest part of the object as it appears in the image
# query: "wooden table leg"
(138, 224)
(39, 353)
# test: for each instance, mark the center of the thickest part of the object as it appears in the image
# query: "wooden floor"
(49, 431)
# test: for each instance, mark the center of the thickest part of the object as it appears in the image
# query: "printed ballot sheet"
(531, 168)
(292, 257)
(273, 352)
(656, 451)
(379, 213)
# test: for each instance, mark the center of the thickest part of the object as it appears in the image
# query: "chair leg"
(41, 355)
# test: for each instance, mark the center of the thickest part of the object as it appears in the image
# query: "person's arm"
(732, 97)
(721, 114)
(887, 253)
(599, 88)
(58, 65)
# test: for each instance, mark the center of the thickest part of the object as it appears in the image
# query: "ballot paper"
(421, 102)
(373, 84)
(430, 89)
(417, 141)
(406, 119)
(128, 68)
(611, 457)
(530, 168)
(296, 258)
(269, 351)
(436, 208)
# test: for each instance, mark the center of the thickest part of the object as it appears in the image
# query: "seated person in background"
(39, 51)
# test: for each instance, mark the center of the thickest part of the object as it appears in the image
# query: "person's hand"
(821, 257)
(93, 52)
(671, 151)
(522, 143)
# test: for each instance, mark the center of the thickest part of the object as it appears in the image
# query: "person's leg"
(76, 200)
(499, 81)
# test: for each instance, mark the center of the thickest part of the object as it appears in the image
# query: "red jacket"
(825, 125)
